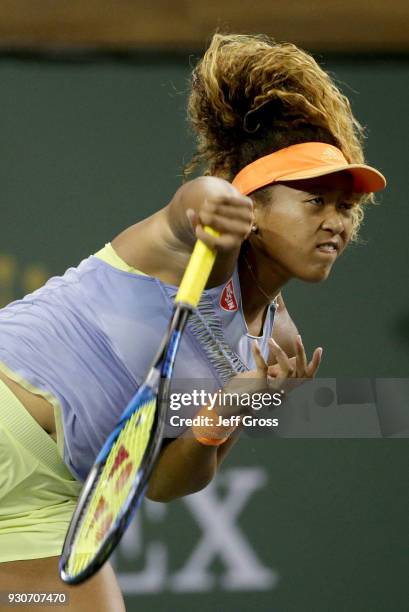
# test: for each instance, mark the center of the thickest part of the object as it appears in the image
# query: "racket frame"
(161, 378)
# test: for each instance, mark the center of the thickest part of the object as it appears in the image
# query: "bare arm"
(184, 466)
(161, 244)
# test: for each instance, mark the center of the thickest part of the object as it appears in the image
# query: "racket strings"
(117, 479)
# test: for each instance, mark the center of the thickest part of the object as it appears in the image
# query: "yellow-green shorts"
(37, 492)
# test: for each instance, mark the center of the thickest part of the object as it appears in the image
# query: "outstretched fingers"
(314, 364)
(261, 364)
(294, 367)
(286, 365)
(301, 357)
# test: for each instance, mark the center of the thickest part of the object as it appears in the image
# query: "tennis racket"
(117, 481)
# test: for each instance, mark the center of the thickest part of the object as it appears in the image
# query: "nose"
(333, 221)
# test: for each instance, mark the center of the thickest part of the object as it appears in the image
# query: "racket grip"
(197, 272)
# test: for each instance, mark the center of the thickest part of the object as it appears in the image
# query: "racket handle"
(197, 272)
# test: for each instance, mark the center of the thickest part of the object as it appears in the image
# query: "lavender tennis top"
(85, 341)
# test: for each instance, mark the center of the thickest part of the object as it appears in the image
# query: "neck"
(260, 281)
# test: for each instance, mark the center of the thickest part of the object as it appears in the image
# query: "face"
(305, 226)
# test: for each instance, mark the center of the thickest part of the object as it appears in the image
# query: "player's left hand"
(293, 367)
(288, 372)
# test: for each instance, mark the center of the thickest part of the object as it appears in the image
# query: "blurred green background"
(91, 146)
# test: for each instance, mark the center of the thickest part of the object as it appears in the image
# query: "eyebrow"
(320, 189)
(349, 197)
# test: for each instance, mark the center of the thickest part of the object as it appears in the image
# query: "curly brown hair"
(251, 96)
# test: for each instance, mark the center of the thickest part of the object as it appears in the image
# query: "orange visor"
(304, 161)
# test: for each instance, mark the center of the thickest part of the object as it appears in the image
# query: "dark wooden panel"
(339, 25)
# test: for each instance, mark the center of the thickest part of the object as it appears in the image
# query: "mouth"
(330, 248)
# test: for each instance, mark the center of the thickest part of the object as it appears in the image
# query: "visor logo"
(331, 154)
(228, 299)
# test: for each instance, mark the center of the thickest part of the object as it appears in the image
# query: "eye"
(317, 200)
(345, 206)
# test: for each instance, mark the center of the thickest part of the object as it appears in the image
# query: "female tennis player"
(284, 182)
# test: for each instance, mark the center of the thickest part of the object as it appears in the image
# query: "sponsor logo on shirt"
(228, 299)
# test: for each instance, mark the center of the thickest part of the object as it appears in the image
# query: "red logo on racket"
(228, 299)
(119, 459)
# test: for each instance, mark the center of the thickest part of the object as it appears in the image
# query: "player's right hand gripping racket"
(118, 479)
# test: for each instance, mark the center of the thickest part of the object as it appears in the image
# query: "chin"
(315, 276)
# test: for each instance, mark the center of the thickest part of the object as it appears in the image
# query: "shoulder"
(284, 330)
